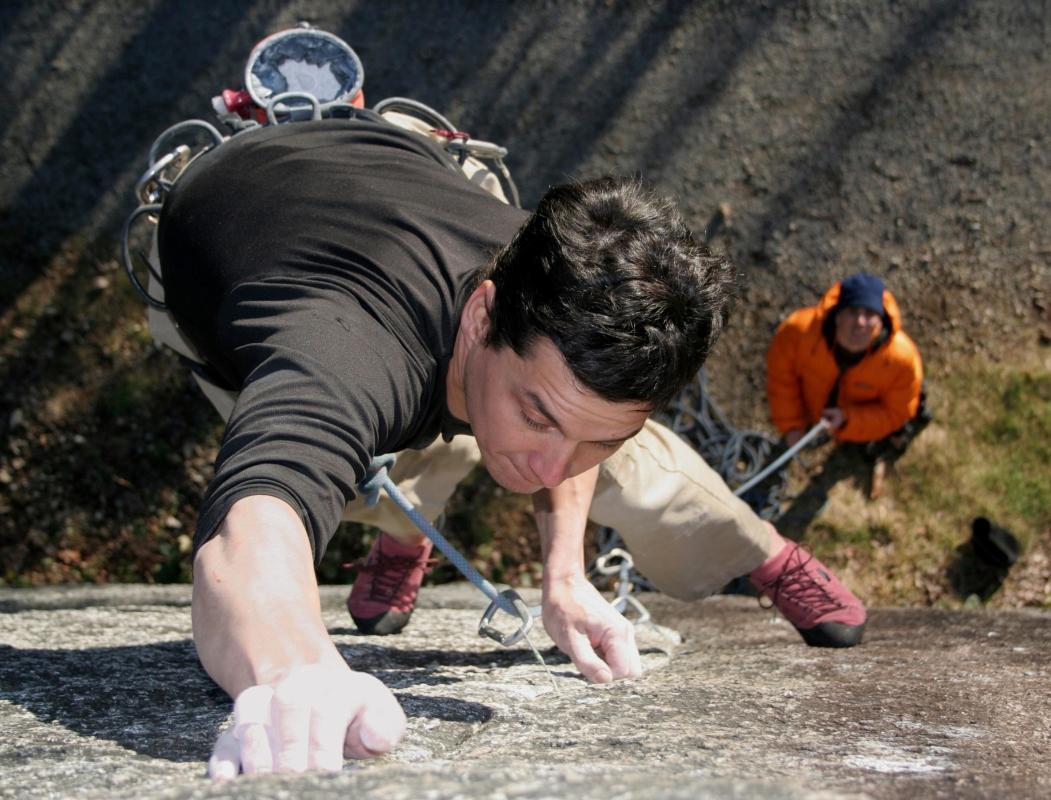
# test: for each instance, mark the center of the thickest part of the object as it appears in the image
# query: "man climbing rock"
(345, 292)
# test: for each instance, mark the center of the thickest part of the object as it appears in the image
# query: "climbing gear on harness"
(458, 143)
(162, 171)
(279, 104)
(126, 258)
(292, 75)
(417, 109)
(824, 611)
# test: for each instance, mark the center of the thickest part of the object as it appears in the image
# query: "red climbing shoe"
(388, 581)
(822, 609)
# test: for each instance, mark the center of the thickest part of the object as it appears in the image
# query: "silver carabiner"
(524, 614)
(614, 561)
(177, 158)
(182, 127)
(622, 603)
(125, 254)
(620, 563)
(278, 104)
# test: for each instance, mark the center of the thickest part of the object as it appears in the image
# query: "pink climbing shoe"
(382, 598)
(824, 611)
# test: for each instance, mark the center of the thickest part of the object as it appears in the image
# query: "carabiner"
(524, 614)
(152, 187)
(622, 603)
(278, 104)
(612, 562)
(125, 254)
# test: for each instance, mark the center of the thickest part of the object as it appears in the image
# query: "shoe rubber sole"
(385, 624)
(833, 634)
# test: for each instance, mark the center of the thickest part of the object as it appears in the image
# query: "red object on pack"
(242, 104)
(452, 135)
(239, 103)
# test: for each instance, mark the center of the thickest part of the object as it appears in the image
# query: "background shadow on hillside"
(104, 441)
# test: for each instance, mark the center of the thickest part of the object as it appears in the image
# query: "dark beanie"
(861, 290)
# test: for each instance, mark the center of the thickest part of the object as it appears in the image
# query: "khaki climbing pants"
(687, 532)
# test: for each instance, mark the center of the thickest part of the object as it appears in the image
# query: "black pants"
(896, 443)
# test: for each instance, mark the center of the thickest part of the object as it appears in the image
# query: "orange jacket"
(878, 395)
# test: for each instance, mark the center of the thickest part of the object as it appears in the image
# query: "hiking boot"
(805, 591)
(385, 589)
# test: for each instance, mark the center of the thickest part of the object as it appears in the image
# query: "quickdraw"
(508, 600)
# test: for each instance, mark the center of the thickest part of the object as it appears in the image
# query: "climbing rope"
(821, 426)
(507, 601)
(737, 455)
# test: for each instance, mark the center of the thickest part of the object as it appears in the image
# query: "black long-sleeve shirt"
(320, 268)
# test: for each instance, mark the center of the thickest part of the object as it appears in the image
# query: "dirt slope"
(910, 139)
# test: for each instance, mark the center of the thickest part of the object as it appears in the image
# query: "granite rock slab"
(101, 695)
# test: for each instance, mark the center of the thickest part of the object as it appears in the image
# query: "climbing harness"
(457, 143)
